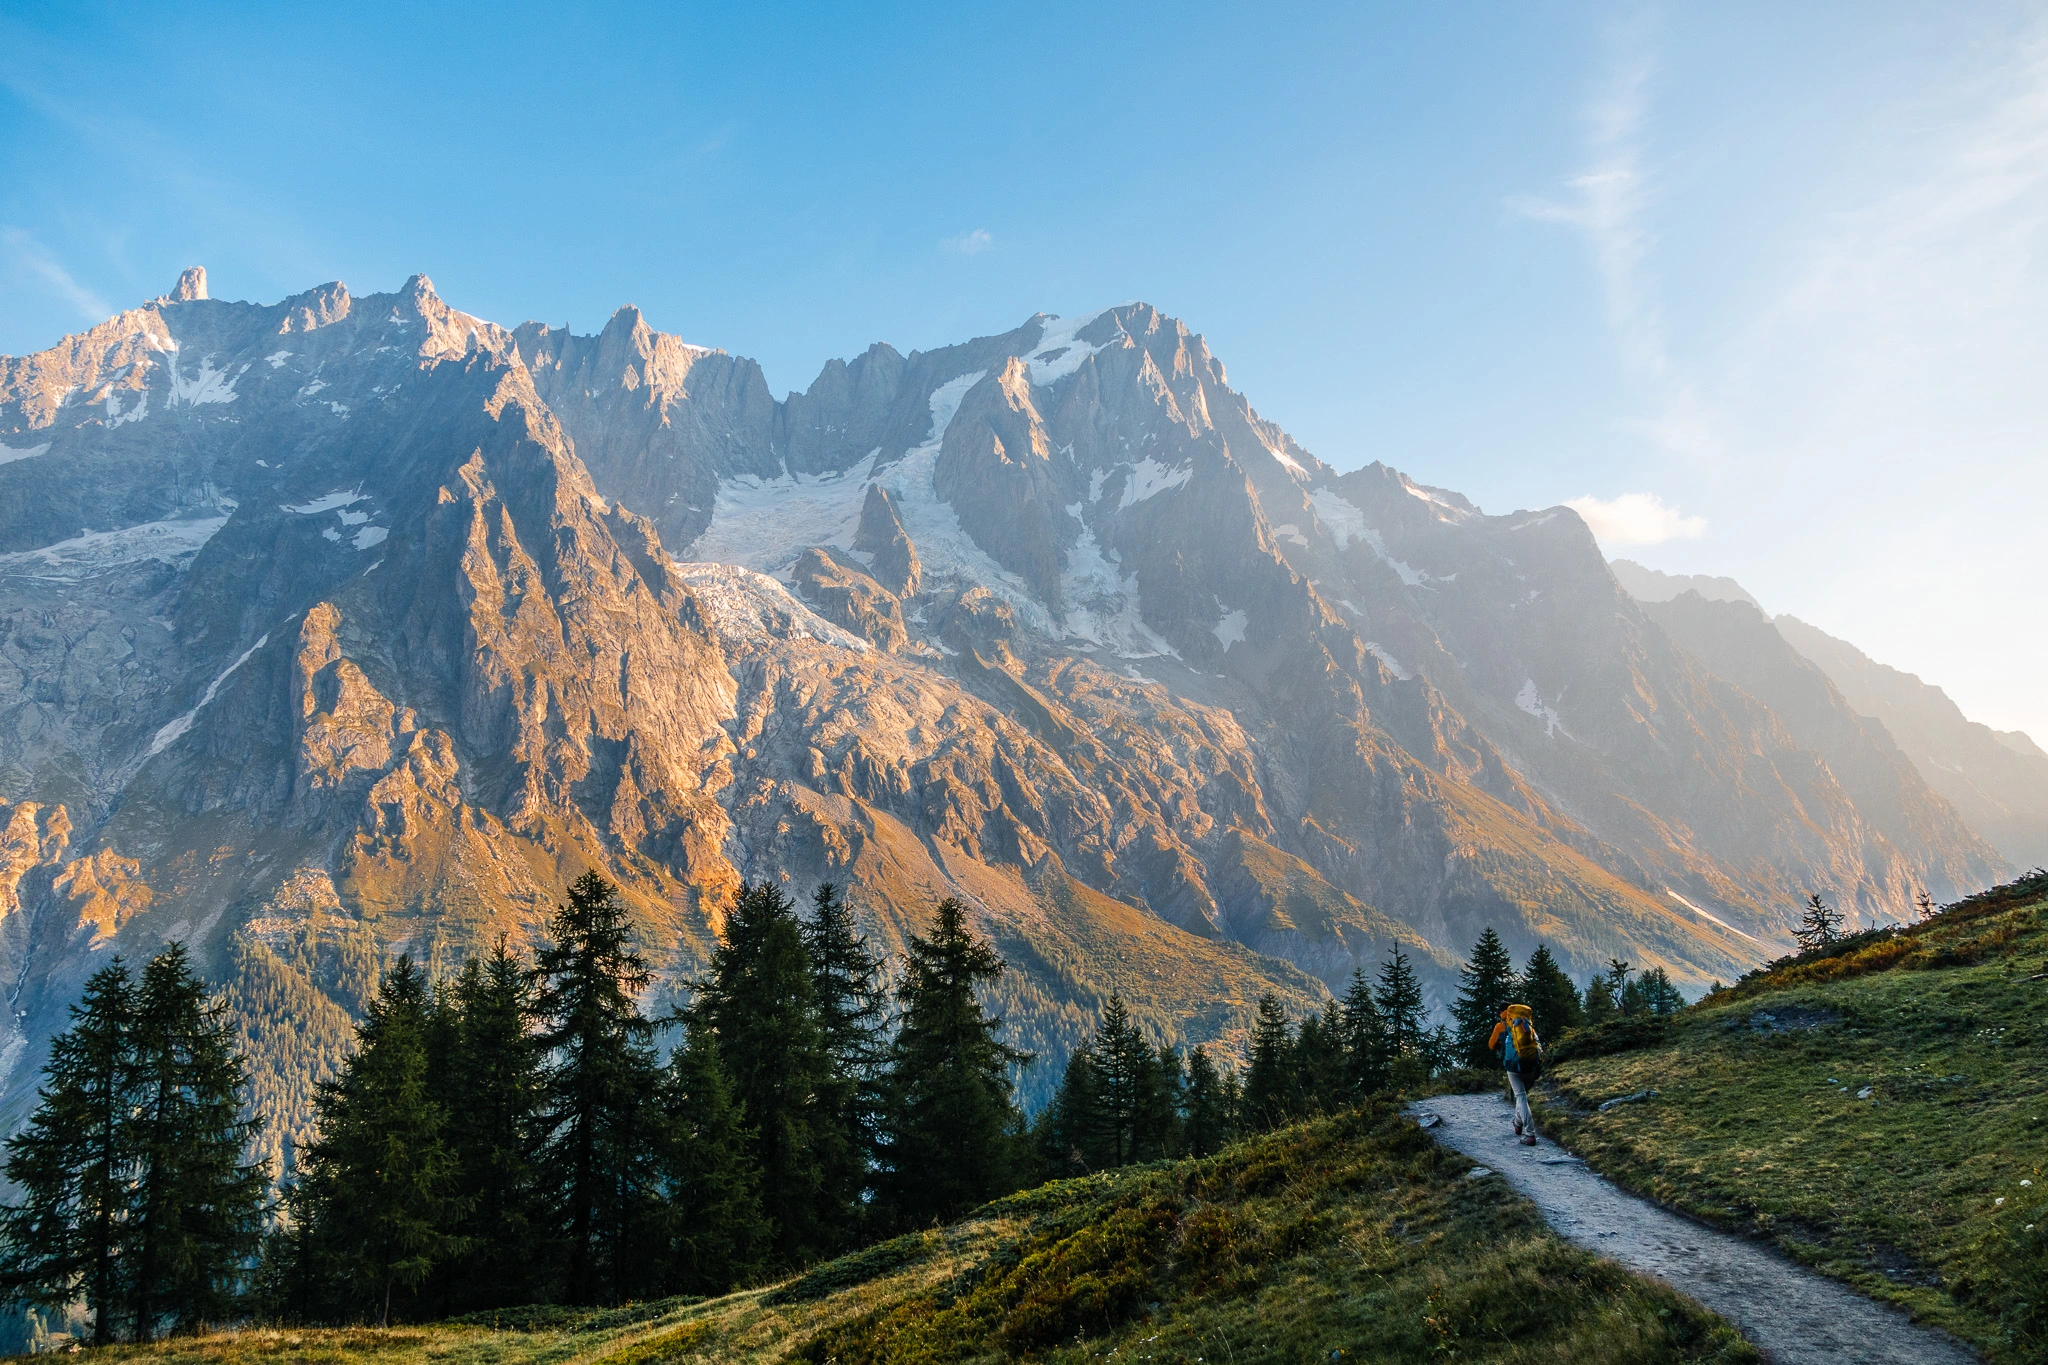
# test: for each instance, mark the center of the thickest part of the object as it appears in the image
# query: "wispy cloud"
(33, 257)
(1636, 519)
(970, 243)
(1609, 203)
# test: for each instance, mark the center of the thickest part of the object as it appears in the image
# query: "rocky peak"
(191, 286)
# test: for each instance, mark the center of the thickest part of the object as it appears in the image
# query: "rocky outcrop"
(845, 595)
(893, 562)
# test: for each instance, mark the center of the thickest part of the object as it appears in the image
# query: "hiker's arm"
(1494, 1041)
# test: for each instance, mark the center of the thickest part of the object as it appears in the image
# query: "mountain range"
(355, 625)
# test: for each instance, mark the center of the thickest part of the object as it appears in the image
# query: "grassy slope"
(1761, 1128)
(1352, 1235)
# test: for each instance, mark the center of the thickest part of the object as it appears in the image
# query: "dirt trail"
(1791, 1314)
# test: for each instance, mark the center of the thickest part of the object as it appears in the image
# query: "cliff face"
(349, 626)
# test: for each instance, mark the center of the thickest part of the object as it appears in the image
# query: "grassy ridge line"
(1866, 1111)
(1353, 1234)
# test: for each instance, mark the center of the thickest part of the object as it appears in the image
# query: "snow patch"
(170, 734)
(331, 534)
(1057, 354)
(340, 497)
(1346, 524)
(116, 417)
(278, 358)
(8, 454)
(1149, 478)
(1230, 629)
(1710, 915)
(1445, 511)
(93, 552)
(1530, 699)
(1095, 481)
(209, 386)
(371, 535)
(1102, 603)
(1287, 530)
(1393, 664)
(752, 608)
(1278, 450)
(765, 524)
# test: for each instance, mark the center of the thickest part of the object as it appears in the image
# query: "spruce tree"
(1486, 985)
(1599, 1003)
(1072, 1132)
(721, 1234)
(1320, 1085)
(1400, 1000)
(377, 1188)
(195, 1212)
(73, 1160)
(1205, 1107)
(596, 1086)
(1269, 1079)
(1820, 925)
(493, 1087)
(1364, 1039)
(951, 1106)
(1133, 1099)
(1550, 996)
(852, 1013)
(759, 1002)
(1660, 997)
(1159, 1130)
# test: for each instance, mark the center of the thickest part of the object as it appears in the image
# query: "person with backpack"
(1521, 1053)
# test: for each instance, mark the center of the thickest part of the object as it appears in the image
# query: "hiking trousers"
(1522, 1103)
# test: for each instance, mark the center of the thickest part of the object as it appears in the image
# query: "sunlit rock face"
(356, 625)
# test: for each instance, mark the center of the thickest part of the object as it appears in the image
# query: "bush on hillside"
(1624, 1034)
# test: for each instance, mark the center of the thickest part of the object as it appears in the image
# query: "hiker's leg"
(1528, 1120)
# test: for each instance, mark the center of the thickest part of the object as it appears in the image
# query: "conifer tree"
(1550, 996)
(195, 1211)
(597, 1083)
(951, 1106)
(1070, 1133)
(493, 1087)
(1364, 1040)
(852, 1013)
(1400, 1000)
(1660, 997)
(1133, 1098)
(1159, 1130)
(1269, 1079)
(721, 1235)
(1206, 1106)
(1486, 985)
(1319, 1063)
(1820, 926)
(377, 1186)
(759, 1002)
(1600, 1004)
(72, 1163)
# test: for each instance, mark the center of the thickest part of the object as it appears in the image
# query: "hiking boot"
(1528, 1139)
(1518, 1127)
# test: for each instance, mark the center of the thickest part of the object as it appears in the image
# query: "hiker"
(1521, 1051)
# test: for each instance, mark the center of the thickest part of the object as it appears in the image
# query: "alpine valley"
(351, 626)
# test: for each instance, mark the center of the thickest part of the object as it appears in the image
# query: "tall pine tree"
(72, 1163)
(759, 1001)
(1366, 1049)
(721, 1234)
(377, 1187)
(1486, 985)
(951, 1107)
(1135, 1114)
(195, 1213)
(1070, 1132)
(493, 1088)
(1550, 996)
(1206, 1119)
(1269, 1079)
(852, 1012)
(1400, 1000)
(597, 1084)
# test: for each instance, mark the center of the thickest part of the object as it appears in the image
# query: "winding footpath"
(1791, 1314)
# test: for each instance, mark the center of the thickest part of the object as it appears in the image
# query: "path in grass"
(1788, 1312)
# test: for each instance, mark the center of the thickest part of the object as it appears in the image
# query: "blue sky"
(1764, 283)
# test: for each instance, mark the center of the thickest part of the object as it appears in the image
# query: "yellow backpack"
(1521, 1036)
